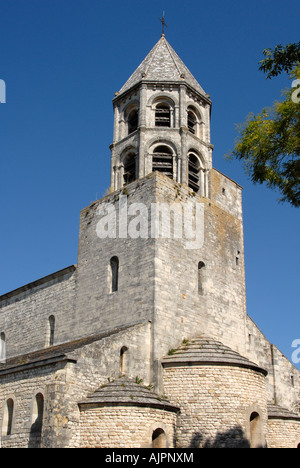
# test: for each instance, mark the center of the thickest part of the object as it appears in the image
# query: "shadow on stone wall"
(35, 435)
(233, 438)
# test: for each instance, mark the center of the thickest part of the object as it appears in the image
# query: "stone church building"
(146, 341)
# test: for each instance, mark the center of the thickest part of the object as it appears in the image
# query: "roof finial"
(163, 24)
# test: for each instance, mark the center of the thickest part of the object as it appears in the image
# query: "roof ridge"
(171, 50)
(152, 52)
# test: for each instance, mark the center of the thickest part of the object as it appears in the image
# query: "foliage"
(280, 59)
(269, 143)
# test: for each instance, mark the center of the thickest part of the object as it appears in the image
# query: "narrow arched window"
(159, 439)
(201, 270)
(8, 417)
(51, 330)
(163, 160)
(123, 359)
(2, 347)
(133, 119)
(114, 274)
(255, 430)
(192, 122)
(162, 115)
(194, 172)
(37, 414)
(129, 168)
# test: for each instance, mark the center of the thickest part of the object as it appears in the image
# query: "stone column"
(142, 130)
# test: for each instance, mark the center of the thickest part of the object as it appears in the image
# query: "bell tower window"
(163, 160)
(162, 115)
(194, 170)
(133, 119)
(192, 121)
(129, 168)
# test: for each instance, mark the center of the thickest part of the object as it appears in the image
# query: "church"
(146, 341)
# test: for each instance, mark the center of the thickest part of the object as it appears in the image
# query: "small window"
(51, 330)
(163, 161)
(133, 120)
(8, 417)
(292, 381)
(114, 274)
(159, 439)
(123, 359)
(2, 347)
(162, 115)
(201, 269)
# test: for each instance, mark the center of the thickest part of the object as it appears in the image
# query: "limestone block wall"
(22, 388)
(220, 309)
(124, 427)
(24, 313)
(283, 433)
(217, 404)
(283, 379)
(96, 307)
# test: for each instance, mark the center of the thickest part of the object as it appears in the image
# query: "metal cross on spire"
(164, 24)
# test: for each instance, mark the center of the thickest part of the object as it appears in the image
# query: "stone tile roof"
(205, 350)
(162, 64)
(61, 352)
(125, 392)
(278, 412)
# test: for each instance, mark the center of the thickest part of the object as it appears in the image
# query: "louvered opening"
(192, 121)
(133, 121)
(163, 161)
(162, 115)
(193, 173)
(129, 169)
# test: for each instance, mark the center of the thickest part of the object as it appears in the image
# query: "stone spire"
(162, 64)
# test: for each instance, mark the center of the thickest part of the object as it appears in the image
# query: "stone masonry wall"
(283, 379)
(220, 310)
(24, 316)
(283, 433)
(22, 387)
(97, 308)
(124, 427)
(216, 403)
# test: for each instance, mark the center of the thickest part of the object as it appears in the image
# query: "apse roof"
(204, 350)
(125, 392)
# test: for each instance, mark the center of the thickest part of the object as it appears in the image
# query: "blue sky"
(63, 60)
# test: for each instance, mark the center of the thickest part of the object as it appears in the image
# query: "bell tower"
(162, 123)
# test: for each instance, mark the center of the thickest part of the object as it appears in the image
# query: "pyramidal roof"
(162, 64)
